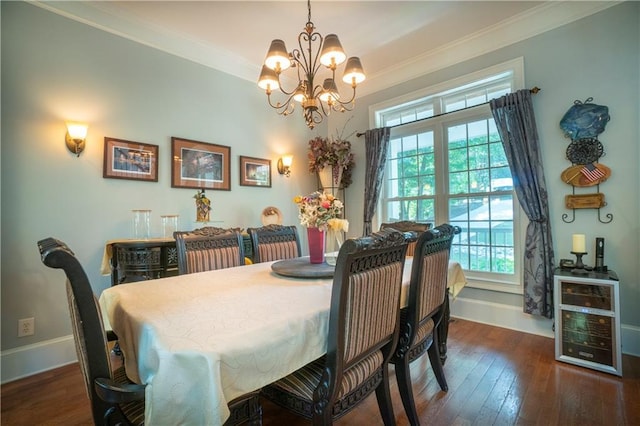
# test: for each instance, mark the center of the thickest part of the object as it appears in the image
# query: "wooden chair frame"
(207, 238)
(273, 234)
(431, 244)
(383, 251)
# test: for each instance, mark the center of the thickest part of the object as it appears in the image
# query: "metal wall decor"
(582, 123)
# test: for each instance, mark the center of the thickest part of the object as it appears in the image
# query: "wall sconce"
(284, 165)
(76, 136)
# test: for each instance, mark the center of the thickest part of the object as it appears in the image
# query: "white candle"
(579, 245)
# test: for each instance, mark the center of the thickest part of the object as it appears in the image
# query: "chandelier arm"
(285, 108)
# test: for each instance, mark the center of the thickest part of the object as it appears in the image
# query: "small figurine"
(203, 206)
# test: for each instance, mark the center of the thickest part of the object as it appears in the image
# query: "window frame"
(509, 283)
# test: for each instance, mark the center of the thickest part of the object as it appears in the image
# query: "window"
(452, 168)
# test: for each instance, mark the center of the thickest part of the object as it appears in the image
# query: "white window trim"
(487, 281)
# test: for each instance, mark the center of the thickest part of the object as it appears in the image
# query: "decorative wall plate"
(584, 120)
(584, 151)
(574, 176)
(271, 216)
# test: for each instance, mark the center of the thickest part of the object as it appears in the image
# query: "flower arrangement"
(317, 209)
(336, 153)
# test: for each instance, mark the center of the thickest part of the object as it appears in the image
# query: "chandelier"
(314, 53)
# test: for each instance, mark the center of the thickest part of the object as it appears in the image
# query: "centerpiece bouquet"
(317, 208)
(319, 212)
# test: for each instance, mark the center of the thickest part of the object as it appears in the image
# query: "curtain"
(376, 143)
(516, 125)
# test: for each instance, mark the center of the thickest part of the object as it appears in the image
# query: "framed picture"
(130, 160)
(200, 165)
(255, 172)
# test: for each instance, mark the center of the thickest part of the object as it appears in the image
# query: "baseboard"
(32, 359)
(512, 317)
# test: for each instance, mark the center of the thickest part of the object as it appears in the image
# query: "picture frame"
(255, 172)
(200, 165)
(130, 160)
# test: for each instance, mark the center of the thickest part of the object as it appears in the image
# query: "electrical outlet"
(26, 327)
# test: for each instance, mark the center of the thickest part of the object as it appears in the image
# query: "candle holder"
(578, 269)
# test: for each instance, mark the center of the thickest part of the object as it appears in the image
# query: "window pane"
(459, 210)
(479, 157)
(457, 136)
(393, 169)
(502, 207)
(502, 260)
(395, 148)
(393, 188)
(458, 160)
(427, 185)
(478, 132)
(479, 181)
(498, 157)
(393, 210)
(409, 166)
(426, 210)
(427, 164)
(493, 132)
(425, 142)
(458, 183)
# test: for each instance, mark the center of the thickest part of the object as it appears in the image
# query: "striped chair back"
(363, 333)
(408, 226)
(274, 242)
(365, 306)
(419, 320)
(208, 248)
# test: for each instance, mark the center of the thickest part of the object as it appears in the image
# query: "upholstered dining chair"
(208, 248)
(274, 242)
(420, 318)
(362, 334)
(114, 399)
(408, 226)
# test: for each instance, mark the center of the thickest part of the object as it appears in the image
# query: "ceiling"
(396, 40)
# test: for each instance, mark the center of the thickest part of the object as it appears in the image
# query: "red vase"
(316, 245)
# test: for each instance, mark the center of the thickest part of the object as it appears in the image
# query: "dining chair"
(362, 335)
(408, 226)
(208, 248)
(419, 320)
(274, 242)
(114, 398)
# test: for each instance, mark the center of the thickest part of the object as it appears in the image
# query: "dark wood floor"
(496, 377)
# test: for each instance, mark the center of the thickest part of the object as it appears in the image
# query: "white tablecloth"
(200, 340)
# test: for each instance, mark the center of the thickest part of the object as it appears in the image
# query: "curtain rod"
(534, 90)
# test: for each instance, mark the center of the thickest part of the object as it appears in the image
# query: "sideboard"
(129, 260)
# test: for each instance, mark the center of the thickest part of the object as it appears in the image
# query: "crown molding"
(546, 17)
(535, 21)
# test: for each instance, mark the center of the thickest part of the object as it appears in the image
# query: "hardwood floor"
(496, 377)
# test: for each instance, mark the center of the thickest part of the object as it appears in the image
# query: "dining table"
(200, 340)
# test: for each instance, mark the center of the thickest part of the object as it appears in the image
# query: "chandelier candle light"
(314, 51)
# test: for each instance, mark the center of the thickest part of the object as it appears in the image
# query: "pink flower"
(326, 204)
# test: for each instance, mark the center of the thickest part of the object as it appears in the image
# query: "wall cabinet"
(587, 329)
